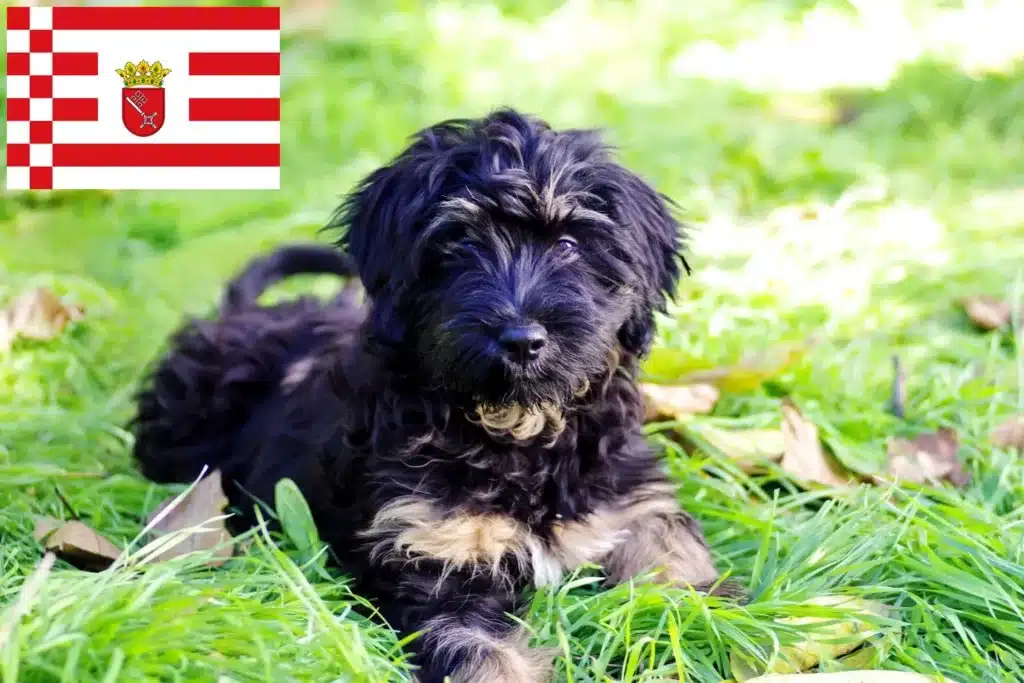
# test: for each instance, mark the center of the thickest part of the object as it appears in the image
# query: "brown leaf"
(1010, 434)
(205, 501)
(38, 314)
(678, 402)
(987, 312)
(927, 458)
(76, 543)
(804, 457)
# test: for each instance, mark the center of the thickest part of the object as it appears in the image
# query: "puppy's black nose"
(523, 342)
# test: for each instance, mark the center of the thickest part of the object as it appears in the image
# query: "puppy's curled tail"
(284, 262)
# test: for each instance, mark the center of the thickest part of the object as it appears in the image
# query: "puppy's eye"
(565, 246)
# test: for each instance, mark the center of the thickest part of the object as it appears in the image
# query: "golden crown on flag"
(143, 73)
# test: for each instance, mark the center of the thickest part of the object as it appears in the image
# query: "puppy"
(475, 427)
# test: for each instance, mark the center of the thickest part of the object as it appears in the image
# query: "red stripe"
(17, 18)
(75, 64)
(234, 64)
(166, 18)
(17, 154)
(76, 109)
(234, 109)
(17, 64)
(178, 155)
(17, 109)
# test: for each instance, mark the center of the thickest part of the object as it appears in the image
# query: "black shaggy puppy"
(475, 427)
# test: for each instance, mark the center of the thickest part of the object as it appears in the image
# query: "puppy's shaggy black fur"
(475, 427)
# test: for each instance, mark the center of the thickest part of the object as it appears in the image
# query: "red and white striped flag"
(143, 98)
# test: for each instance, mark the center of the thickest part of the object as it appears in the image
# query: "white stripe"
(40, 17)
(158, 45)
(184, 86)
(17, 132)
(112, 131)
(17, 86)
(17, 41)
(17, 178)
(164, 178)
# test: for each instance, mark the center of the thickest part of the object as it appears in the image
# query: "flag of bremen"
(84, 112)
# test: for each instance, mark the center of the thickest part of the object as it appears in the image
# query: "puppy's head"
(512, 259)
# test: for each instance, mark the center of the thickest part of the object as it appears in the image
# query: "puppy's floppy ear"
(647, 218)
(379, 218)
(383, 217)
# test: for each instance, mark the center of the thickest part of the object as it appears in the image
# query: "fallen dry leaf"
(76, 543)
(927, 459)
(804, 457)
(665, 402)
(38, 314)
(204, 502)
(1010, 434)
(864, 676)
(835, 637)
(987, 312)
(749, 448)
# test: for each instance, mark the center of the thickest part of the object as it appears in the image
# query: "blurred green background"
(850, 171)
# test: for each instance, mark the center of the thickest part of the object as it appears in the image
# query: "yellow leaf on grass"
(39, 314)
(834, 637)
(864, 676)
(76, 543)
(1010, 434)
(200, 507)
(753, 370)
(927, 459)
(749, 448)
(665, 402)
(672, 366)
(804, 456)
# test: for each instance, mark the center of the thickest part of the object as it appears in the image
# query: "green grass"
(863, 233)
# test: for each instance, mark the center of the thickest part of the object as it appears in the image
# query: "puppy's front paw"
(662, 537)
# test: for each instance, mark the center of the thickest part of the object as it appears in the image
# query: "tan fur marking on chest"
(411, 527)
